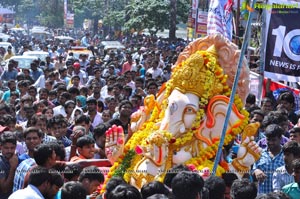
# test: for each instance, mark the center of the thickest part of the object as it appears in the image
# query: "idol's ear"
(212, 125)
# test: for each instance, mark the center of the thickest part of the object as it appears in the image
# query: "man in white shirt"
(62, 98)
(95, 116)
(154, 70)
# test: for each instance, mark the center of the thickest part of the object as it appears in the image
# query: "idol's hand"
(114, 144)
(248, 153)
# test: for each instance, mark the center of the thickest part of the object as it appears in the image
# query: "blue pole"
(233, 91)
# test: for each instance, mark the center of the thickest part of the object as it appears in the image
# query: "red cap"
(76, 65)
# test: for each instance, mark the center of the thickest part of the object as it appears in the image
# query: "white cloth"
(30, 192)
(40, 82)
(219, 18)
(59, 110)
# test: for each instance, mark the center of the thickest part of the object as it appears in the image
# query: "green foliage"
(88, 10)
(27, 12)
(115, 19)
(183, 7)
(153, 15)
(120, 171)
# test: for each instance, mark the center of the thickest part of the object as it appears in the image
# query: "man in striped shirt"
(283, 175)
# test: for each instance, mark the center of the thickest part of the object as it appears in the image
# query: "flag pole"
(262, 55)
(233, 91)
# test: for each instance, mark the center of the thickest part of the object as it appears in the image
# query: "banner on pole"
(220, 18)
(282, 45)
(201, 26)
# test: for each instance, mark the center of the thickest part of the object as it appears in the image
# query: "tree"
(156, 15)
(147, 14)
(92, 9)
(173, 10)
(51, 13)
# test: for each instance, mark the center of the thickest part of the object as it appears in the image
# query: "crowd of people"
(53, 119)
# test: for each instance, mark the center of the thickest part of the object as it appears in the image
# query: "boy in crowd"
(293, 189)
(8, 163)
(187, 184)
(91, 177)
(99, 136)
(270, 159)
(283, 175)
(295, 134)
(85, 147)
(243, 188)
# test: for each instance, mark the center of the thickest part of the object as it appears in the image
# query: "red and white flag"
(220, 17)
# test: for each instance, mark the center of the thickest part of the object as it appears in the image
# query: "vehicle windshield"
(24, 62)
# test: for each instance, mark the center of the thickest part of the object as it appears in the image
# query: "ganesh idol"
(183, 124)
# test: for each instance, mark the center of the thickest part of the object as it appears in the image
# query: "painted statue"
(184, 123)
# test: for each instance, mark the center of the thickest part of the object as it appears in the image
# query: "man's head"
(99, 135)
(86, 147)
(56, 183)
(152, 88)
(257, 116)
(216, 187)
(11, 84)
(8, 143)
(54, 126)
(83, 120)
(91, 104)
(96, 87)
(73, 190)
(10, 66)
(267, 105)
(72, 172)
(274, 134)
(44, 155)
(33, 66)
(112, 184)
(59, 149)
(242, 189)
(91, 177)
(291, 150)
(76, 66)
(33, 137)
(296, 170)
(75, 80)
(125, 108)
(154, 187)
(295, 134)
(41, 178)
(29, 111)
(250, 100)
(229, 178)
(117, 89)
(63, 97)
(26, 100)
(287, 101)
(187, 184)
(9, 49)
(125, 191)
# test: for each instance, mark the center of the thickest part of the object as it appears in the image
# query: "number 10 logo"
(290, 43)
